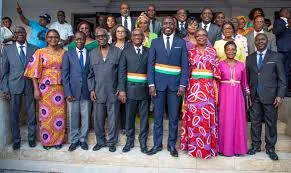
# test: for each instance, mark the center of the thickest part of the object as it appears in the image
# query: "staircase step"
(133, 160)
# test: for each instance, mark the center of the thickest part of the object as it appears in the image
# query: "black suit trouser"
(132, 107)
(15, 104)
(269, 111)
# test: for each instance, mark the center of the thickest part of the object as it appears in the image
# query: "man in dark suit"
(167, 79)
(75, 69)
(155, 24)
(102, 84)
(214, 32)
(267, 83)
(125, 19)
(133, 75)
(14, 85)
(282, 31)
(181, 30)
(259, 23)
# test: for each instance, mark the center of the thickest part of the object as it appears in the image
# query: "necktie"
(22, 55)
(81, 59)
(182, 26)
(205, 27)
(125, 23)
(152, 26)
(260, 62)
(168, 45)
(138, 53)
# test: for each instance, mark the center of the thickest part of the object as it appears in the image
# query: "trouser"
(83, 108)
(112, 110)
(15, 104)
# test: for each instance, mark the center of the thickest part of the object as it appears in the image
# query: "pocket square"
(177, 47)
(270, 62)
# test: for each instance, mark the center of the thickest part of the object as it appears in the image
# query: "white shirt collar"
(171, 37)
(78, 50)
(18, 45)
(285, 19)
(140, 47)
(208, 26)
(264, 52)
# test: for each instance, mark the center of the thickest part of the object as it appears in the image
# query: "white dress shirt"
(208, 26)
(171, 40)
(19, 49)
(184, 24)
(258, 55)
(84, 54)
(129, 24)
(140, 47)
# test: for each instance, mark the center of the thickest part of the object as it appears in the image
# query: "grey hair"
(101, 29)
(138, 29)
(19, 27)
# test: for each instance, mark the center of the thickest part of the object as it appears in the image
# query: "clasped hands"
(153, 93)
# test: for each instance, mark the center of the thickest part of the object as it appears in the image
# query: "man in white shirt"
(181, 23)
(65, 30)
(125, 19)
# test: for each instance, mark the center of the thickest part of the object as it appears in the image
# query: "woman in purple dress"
(232, 114)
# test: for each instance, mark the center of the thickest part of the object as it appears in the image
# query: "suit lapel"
(265, 60)
(163, 45)
(76, 59)
(175, 40)
(254, 62)
(16, 54)
(28, 54)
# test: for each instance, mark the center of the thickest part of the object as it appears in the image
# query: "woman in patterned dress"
(199, 122)
(45, 70)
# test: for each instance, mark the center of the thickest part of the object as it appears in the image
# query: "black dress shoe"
(73, 146)
(144, 149)
(84, 145)
(98, 147)
(127, 147)
(16, 146)
(47, 147)
(58, 147)
(32, 143)
(272, 155)
(254, 150)
(173, 151)
(112, 148)
(154, 150)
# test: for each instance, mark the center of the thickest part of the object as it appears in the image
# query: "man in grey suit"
(125, 19)
(214, 32)
(133, 77)
(266, 78)
(14, 85)
(102, 84)
(259, 23)
(155, 24)
(75, 70)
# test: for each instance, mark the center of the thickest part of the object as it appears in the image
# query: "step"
(135, 160)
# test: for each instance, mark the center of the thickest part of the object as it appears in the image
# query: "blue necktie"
(81, 59)
(168, 46)
(125, 23)
(260, 62)
(22, 55)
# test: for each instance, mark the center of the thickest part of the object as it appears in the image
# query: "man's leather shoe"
(73, 146)
(112, 148)
(272, 155)
(173, 151)
(98, 147)
(127, 147)
(254, 150)
(144, 150)
(58, 147)
(32, 143)
(84, 145)
(16, 146)
(154, 150)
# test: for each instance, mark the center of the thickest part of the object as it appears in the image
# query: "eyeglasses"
(101, 36)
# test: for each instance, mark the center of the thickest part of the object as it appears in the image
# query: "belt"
(168, 69)
(232, 81)
(137, 78)
(202, 73)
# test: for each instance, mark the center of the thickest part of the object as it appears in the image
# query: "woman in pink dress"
(199, 122)
(232, 113)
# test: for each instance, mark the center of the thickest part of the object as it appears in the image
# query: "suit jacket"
(251, 42)
(270, 78)
(13, 68)
(180, 33)
(131, 63)
(103, 75)
(133, 21)
(283, 35)
(157, 27)
(74, 76)
(214, 33)
(177, 57)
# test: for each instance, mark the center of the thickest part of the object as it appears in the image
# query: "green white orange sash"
(167, 69)
(136, 77)
(202, 73)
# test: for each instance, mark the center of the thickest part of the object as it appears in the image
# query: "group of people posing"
(207, 73)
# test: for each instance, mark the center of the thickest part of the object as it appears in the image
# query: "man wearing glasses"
(102, 84)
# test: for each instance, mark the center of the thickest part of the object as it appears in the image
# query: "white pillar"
(1, 4)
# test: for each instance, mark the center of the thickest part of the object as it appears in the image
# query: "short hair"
(80, 32)
(191, 20)
(7, 18)
(218, 13)
(252, 12)
(229, 43)
(206, 8)
(263, 34)
(103, 30)
(138, 29)
(81, 23)
(151, 5)
(259, 17)
(201, 29)
(167, 17)
(52, 30)
(113, 32)
(19, 27)
(228, 23)
(61, 11)
(124, 3)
